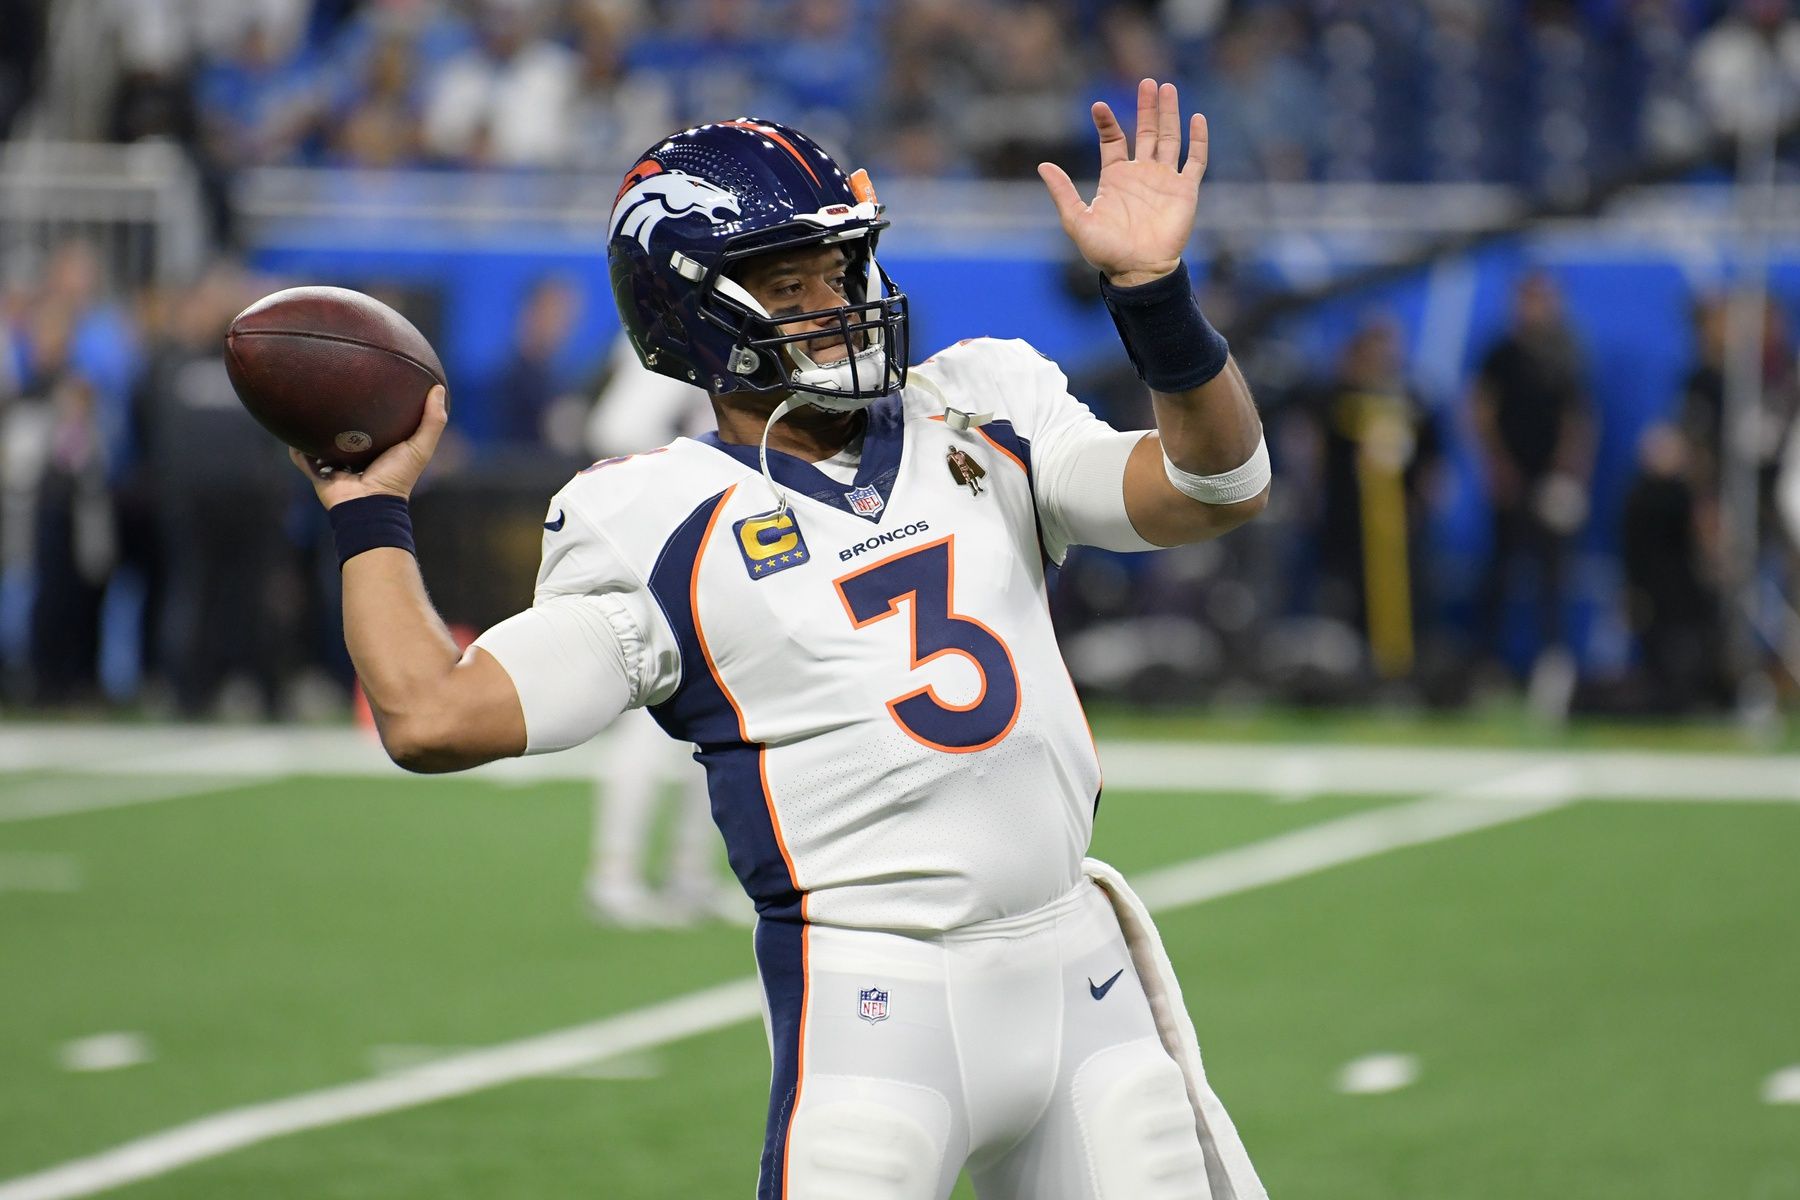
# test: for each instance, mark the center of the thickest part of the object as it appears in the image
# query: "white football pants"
(1021, 1048)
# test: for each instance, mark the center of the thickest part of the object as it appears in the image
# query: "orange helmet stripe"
(775, 136)
(644, 170)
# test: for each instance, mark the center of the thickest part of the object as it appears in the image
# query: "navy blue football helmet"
(701, 202)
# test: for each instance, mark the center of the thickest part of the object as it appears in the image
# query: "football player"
(859, 646)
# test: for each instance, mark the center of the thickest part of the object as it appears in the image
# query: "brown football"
(331, 372)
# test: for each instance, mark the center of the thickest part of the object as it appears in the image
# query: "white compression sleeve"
(568, 659)
(1082, 492)
(1229, 487)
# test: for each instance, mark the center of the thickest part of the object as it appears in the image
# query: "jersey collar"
(883, 442)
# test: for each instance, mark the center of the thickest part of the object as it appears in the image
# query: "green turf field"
(1595, 994)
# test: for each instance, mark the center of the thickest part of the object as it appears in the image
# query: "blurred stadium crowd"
(1536, 92)
(133, 568)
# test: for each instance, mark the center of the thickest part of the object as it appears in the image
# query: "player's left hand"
(1143, 210)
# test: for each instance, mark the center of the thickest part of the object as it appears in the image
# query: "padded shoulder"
(604, 529)
(1007, 377)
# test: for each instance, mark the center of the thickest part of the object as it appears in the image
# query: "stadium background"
(201, 858)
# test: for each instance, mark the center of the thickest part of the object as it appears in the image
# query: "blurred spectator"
(75, 543)
(21, 57)
(1532, 416)
(1261, 101)
(1658, 35)
(506, 101)
(635, 408)
(223, 489)
(62, 440)
(1020, 117)
(823, 70)
(1703, 395)
(1132, 49)
(531, 382)
(1746, 68)
(24, 430)
(932, 68)
(1703, 391)
(156, 42)
(618, 111)
(260, 102)
(715, 53)
(103, 344)
(1670, 563)
(1377, 446)
(378, 124)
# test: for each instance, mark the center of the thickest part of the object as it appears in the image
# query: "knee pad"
(1138, 1124)
(849, 1144)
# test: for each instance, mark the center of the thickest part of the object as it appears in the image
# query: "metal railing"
(138, 205)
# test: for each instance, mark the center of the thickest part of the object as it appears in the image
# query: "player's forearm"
(1207, 472)
(1210, 429)
(437, 708)
(403, 652)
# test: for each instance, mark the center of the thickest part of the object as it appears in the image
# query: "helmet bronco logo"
(647, 202)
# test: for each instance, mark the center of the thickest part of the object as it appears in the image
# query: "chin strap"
(959, 420)
(954, 418)
(762, 452)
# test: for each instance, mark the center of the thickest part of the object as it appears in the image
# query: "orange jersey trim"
(762, 752)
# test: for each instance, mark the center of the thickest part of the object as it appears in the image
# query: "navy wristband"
(1170, 343)
(369, 523)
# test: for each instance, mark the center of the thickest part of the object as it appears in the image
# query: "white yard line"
(1378, 1074)
(545, 1054)
(1783, 1087)
(1290, 856)
(61, 796)
(145, 754)
(1362, 835)
(1287, 770)
(106, 1052)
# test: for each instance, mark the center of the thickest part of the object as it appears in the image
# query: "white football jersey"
(871, 678)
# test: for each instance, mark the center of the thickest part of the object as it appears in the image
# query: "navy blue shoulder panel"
(701, 712)
(1002, 434)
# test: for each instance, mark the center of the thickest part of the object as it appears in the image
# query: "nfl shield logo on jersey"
(865, 501)
(874, 1005)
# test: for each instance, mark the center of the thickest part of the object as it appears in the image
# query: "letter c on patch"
(756, 533)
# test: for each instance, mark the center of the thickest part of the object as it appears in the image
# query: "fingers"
(1168, 126)
(1195, 167)
(1158, 136)
(311, 467)
(1144, 144)
(431, 425)
(1113, 147)
(1062, 192)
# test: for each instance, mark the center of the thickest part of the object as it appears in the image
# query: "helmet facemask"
(770, 354)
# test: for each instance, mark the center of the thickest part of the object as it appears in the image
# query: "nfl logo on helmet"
(874, 1005)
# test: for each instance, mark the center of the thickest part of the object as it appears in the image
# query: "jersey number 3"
(925, 575)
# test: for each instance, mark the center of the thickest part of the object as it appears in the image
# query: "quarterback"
(839, 598)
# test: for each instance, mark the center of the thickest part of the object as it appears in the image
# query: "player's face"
(803, 281)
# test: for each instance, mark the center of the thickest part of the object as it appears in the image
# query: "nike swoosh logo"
(556, 525)
(1098, 990)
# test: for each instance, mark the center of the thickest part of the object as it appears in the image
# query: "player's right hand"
(394, 473)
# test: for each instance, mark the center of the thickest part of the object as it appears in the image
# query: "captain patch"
(770, 542)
